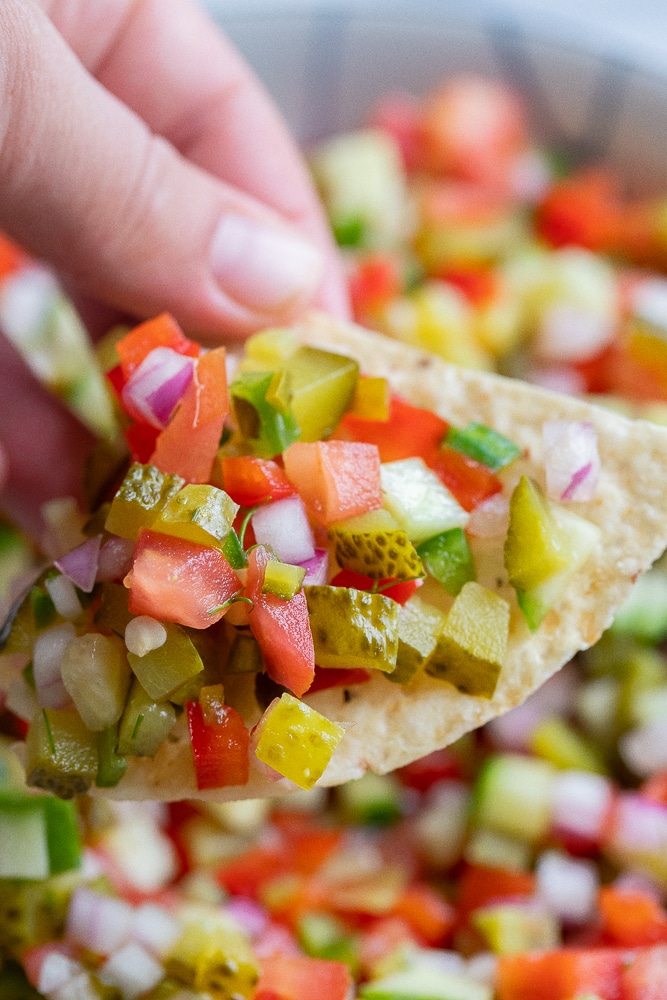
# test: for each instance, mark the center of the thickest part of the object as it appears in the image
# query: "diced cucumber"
(644, 612)
(425, 984)
(373, 798)
(419, 501)
(25, 849)
(513, 795)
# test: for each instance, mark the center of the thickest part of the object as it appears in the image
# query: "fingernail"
(264, 268)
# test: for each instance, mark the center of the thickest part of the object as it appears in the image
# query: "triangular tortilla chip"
(387, 724)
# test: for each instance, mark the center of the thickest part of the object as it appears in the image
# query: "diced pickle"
(282, 579)
(269, 349)
(198, 513)
(145, 724)
(245, 655)
(61, 753)
(113, 612)
(111, 765)
(265, 420)
(296, 740)
(163, 670)
(373, 544)
(535, 549)
(353, 628)
(97, 677)
(472, 643)
(418, 627)
(321, 386)
(212, 955)
(140, 498)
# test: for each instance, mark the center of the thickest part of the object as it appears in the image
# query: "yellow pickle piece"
(163, 670)
(353, 628)
(535, 547)
(198, 513)
(418, 626)
(472, 643)
(61, 753)
(140, 498)
(212, 955)
(296, 740)
(374, 545)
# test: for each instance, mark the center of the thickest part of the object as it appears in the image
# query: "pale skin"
(141, 157)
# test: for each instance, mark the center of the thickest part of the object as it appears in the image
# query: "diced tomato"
(645, 977)
(244, 874)
(469, 481)
(655, 788)
(176, 580)
(12, 256)
(474, 128)
(426, 772)
(479, 885)
(296, 977)
(400, 591)
(220, 749)
(189, 443)
(400, 116)
(282, 629)
(162, 331)
(409, 431)
(560, 975)
(375, 281)
(629, 369)
(584, 209)
(330, 677)
(479, 285)
(250, 480)
(426, 911)
(631, 918)
(141, 439)
(335, 479)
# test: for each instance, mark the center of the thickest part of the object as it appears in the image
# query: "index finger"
(167, 61)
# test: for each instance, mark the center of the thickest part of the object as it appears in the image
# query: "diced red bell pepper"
(655, 788)
(282, 629)
(424, 773)
(560, 975)
(296, 977)
(469, 481)
(12, 256)
(188, 444)
(335, 479)
(220, 748)
(479, 885)
(645, 977)
(162, 331)
(246, 873)
(479, 285)
(141, 439)
(176, 580)
(426, 911)
(330, 677)
(250, 480)
(631, 918)
(375, 281)
(400, 591)
(584, 209)
(409, 431)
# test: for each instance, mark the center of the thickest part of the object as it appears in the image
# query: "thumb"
(87, 186)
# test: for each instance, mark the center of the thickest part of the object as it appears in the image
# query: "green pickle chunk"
(140, 498)
(297, 741)
(418, 626)
(163, 670)
(145, 724)
(61, 753)
(472, 643)
(198, 513)
(374, 545)
(534, 547)
(353, 628)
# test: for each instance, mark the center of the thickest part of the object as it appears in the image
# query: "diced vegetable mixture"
(276, 521)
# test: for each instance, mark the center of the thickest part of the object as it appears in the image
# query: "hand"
(140, 156)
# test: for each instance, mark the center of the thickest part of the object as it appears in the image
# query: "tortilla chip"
(387, 724)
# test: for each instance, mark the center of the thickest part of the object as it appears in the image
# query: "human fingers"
(88, 186)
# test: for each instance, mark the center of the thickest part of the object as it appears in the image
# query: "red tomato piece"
(282, 629)
(631, 918)
(180, 581)
(645, 978)
(384, 936)
(250, 480)
(584, 209)
(479, 885)
(655, 788)
(375, 281)
(246, 873)
(220, 749)
(469, 481)
(330, 677)
(399, 115)
(400, 591)
(335, 479)
(426, 911)
(560, 975)
(189, 443)
(479, 285)
(296, 977)
(426, 772)
(162, 331)
(141, 439)
(409, 431)
(12, 256)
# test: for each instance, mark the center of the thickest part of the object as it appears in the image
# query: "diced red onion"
(143, 634)
(155, 928)
(248, 914)
(79, 987)
(132, 970)
(139, 854)
(49, 966)
(571, 459)
(317, 568)
(531, 175)
(638, 826)
(581, 804)
(483, 968)
(21, 699)
(513, 731)
(649, 301)
(46, 659)
(558, 378)
(442, 823)
(64, 596)
(276, 940)
(568, 886)
(97, 922)
(156, 386)
(567, 333)
(283, 526)
(644, 749)
(80, 564)
(115, 558)
(27, 298)
(490, 518)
